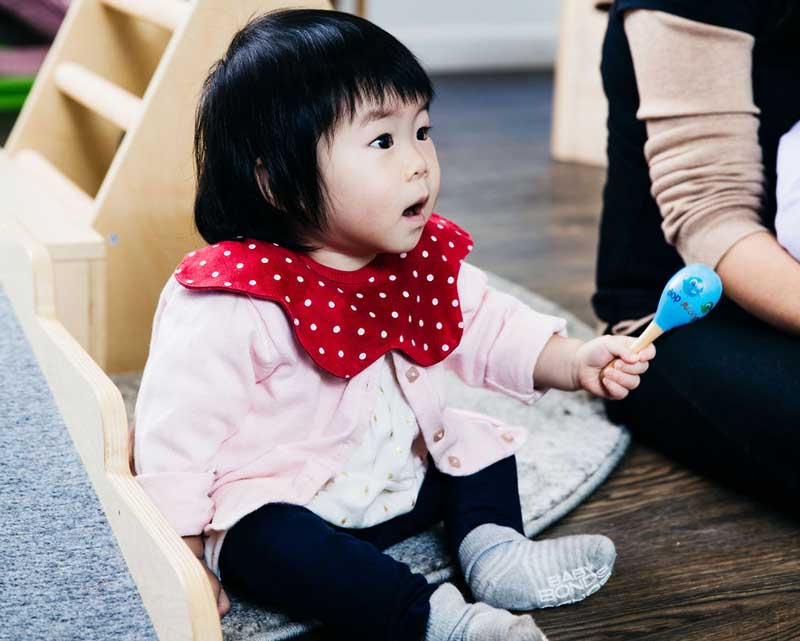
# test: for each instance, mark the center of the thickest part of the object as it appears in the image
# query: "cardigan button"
(438, 435)
(453, 460)
(508, 438)
(412, 374)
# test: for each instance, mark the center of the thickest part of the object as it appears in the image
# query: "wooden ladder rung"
(98, 94)
(164, 13)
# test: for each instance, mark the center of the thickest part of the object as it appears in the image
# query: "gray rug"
(571, 449)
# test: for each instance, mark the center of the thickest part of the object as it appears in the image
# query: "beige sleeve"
(696, 99)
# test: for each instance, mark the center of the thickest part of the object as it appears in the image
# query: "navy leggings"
(285, 557)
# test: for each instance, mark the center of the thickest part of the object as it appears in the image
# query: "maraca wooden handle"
(652, 332)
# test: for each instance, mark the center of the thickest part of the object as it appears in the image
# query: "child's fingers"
(620, 347)
(223, 603)
(628, 381)
(636, 368)
(648, 353)
(626, 353)
(614, 389)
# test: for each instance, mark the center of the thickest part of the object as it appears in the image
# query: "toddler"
(292, 422)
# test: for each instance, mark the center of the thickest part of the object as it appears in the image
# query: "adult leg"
(285, 556)
(722, 396)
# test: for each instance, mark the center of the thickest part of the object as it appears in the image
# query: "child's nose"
(417, 165)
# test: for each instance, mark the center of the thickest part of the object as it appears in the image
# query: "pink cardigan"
(232, 413)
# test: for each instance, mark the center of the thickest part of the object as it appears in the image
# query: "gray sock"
(507, 570)
(453, 619)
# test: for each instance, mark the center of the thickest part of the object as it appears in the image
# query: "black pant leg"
(722, 396)
(286, 557)
(488, 496)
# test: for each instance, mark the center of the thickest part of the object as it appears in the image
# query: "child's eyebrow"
(380, 113)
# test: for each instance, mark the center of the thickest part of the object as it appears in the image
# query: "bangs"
(376, 91)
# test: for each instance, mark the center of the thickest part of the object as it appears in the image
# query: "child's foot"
(453, 619)
(507, 570)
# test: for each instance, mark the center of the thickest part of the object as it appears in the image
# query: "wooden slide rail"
(170, 579)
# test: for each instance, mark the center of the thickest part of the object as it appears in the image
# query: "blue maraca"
(688, 296)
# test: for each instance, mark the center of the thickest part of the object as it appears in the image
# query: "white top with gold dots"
(383, 477)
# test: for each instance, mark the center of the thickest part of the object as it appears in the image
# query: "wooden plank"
(50, 179)
(579, 105)
(58, 222)
(695, 562)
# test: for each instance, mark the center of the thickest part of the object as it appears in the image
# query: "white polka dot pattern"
(347, 320)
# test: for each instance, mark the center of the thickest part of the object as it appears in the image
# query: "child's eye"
(426, 131)
(384, 137)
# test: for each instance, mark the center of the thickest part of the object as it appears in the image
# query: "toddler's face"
(376, 168)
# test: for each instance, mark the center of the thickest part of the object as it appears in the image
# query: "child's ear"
(262, 180)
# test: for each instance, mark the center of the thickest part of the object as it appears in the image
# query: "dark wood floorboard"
(696, 562)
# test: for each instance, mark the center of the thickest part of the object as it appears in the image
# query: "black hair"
(288, 78)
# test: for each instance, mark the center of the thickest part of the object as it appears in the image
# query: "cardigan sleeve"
(702, 150)
(207, 352)
(502, 338)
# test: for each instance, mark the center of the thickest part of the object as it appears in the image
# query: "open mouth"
(416, 209)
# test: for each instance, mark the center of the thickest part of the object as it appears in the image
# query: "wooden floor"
(695, 561)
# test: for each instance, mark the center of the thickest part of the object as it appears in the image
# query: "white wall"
(466, 35)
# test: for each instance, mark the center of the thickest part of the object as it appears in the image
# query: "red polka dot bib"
(346, 320)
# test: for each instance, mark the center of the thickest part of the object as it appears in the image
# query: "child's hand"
(621, 377)
(223, 603)
(195, 544)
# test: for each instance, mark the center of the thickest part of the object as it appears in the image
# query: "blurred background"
(494, 72)
(27, 27)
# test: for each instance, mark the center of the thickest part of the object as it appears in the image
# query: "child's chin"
(407, 247)
(404, 244)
